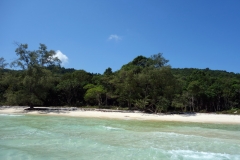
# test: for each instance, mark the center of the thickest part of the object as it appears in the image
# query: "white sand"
(198, 117)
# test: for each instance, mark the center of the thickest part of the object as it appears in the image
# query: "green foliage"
(146, 83)
(235, 111)
(158, 61)
(108, 71)
(29, 88)
(141, 103)
(94, 93)
(180, 102)
(140, 61)
(70, 87)
(162, 104)
(39, 58)
(36, 80)
(3, 64)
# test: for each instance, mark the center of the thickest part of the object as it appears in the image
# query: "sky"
(96, 34)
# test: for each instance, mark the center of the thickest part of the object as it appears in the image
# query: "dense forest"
(146, 83)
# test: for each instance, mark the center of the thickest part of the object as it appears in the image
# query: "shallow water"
(55, 137)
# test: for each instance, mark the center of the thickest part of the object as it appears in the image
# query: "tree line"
(146, 83)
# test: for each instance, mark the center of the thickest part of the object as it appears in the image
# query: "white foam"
(111, 128)
(173, 134)
(11, 115)
(189, 154)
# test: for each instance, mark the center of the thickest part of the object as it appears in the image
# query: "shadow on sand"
(183, 114)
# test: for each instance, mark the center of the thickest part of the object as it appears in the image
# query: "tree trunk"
(99, 100)
(193, 104)
(31, 106)
(106, 100)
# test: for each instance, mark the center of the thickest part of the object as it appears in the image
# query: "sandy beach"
(135, 115)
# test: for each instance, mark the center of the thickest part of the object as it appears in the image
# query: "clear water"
(26, 137)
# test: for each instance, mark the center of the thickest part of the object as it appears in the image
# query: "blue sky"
(97, 34)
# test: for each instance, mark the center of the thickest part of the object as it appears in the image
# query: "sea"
(44, 137)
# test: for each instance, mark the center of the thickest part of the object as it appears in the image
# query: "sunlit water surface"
(26, 137)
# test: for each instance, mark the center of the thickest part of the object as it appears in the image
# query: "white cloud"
(114, 37)
(62, 57)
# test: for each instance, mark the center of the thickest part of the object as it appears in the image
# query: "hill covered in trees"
(145, 83)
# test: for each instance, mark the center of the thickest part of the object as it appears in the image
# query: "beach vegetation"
(32, 85)
(147, 84)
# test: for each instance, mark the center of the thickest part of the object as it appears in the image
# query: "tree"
(158, 61)
(140, 61)
(108, 72)
(94, 93)
(126, 87)
(71, 85)
(162, 104)
(145, 83)
(180, 101)
(39, 58)
(36, 79)
(193, 89)
(107, 81)
(142, 103)
(161, 88)
(46, 57)
(3, 64)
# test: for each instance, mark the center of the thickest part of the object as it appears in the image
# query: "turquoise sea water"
(24, 137)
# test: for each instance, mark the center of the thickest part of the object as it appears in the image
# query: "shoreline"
(125, 115)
